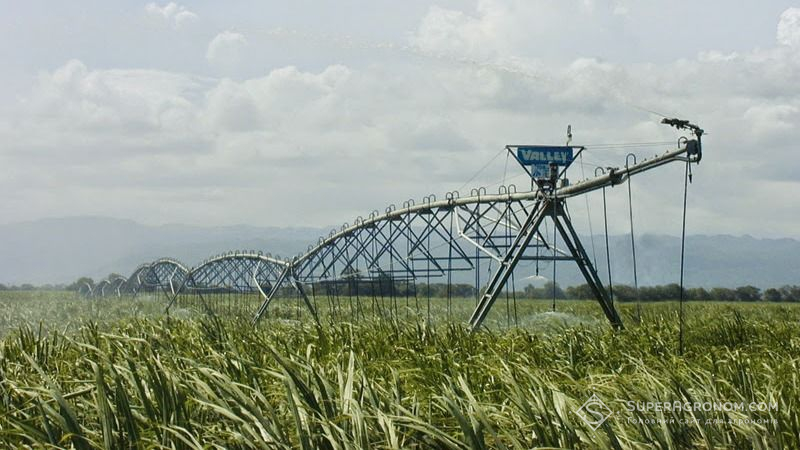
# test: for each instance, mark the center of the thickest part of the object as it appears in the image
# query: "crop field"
(119, 373)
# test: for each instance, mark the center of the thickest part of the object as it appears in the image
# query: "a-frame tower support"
(553, 208)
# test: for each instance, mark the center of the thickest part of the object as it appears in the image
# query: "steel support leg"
(272, 292)
(286, 273)
(517, 249)
(297, 285)
(509, 262)
(587, 269)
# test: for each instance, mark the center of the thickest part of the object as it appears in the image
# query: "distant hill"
(61, 250)
(718, 260)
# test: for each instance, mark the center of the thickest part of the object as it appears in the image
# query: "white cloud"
(171, 13)
(76, 99)
(523, 28)
(454, 31)
(789, 28)
(226, 48)
(487, 33)
(621, 9)
(329, 143)
(618, 7)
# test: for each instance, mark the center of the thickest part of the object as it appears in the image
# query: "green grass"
(66, 311)
(110, 374)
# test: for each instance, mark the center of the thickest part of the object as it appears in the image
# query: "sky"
(312, 113)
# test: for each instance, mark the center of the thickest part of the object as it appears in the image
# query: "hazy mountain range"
(61, 250)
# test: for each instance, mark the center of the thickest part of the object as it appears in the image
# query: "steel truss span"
(112, 286)
(164, 274)
(435, 240)
(239, 272)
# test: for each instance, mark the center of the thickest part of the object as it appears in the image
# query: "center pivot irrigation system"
(420, 242)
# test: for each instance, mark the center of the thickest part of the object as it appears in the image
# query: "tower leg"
(299, 287)
(509, 262)
(589, 272)
(526, 232)
(272, 292)
(286, 273)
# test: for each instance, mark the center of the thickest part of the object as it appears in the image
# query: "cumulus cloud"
(444, 29)
(621, 9)
(518, 27)
(75, 99)
(136, 134)
(789, 28)
(172, 13)
(226, 48)
(486, 33)
(342, 139)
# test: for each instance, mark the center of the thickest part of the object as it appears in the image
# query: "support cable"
(555, 243)
(392, 281)
(347, 277)
(477, 274)
(508, 246)
(633, 245)
(296, 303)
(482, 169)
(409, 275)
(414, 284)
(588, 212)
(608, 249)
(428, 279)
(370, 272)
(508, 306)
(450, 269)
(687, 177)
(514, 299)
(314, 294)
(357, 279)
(337, 304)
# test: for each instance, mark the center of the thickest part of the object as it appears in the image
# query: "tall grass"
(217, 382)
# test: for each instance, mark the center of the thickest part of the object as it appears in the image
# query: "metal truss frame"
(431, 238)
(111, 286)
(164, 274)
(417, 242)
(240, 272)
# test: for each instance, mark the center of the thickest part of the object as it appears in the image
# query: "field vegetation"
(118, 373)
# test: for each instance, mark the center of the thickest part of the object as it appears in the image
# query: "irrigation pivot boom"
(550, 197)
(441, 237)
(386, 254)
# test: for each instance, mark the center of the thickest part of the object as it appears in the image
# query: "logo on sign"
(539, 158)
(544, 156)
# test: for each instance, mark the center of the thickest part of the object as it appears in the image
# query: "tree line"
(30, 287)
(384, 286)
(787, 293)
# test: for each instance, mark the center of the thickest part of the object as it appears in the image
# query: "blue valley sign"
(539, 158)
